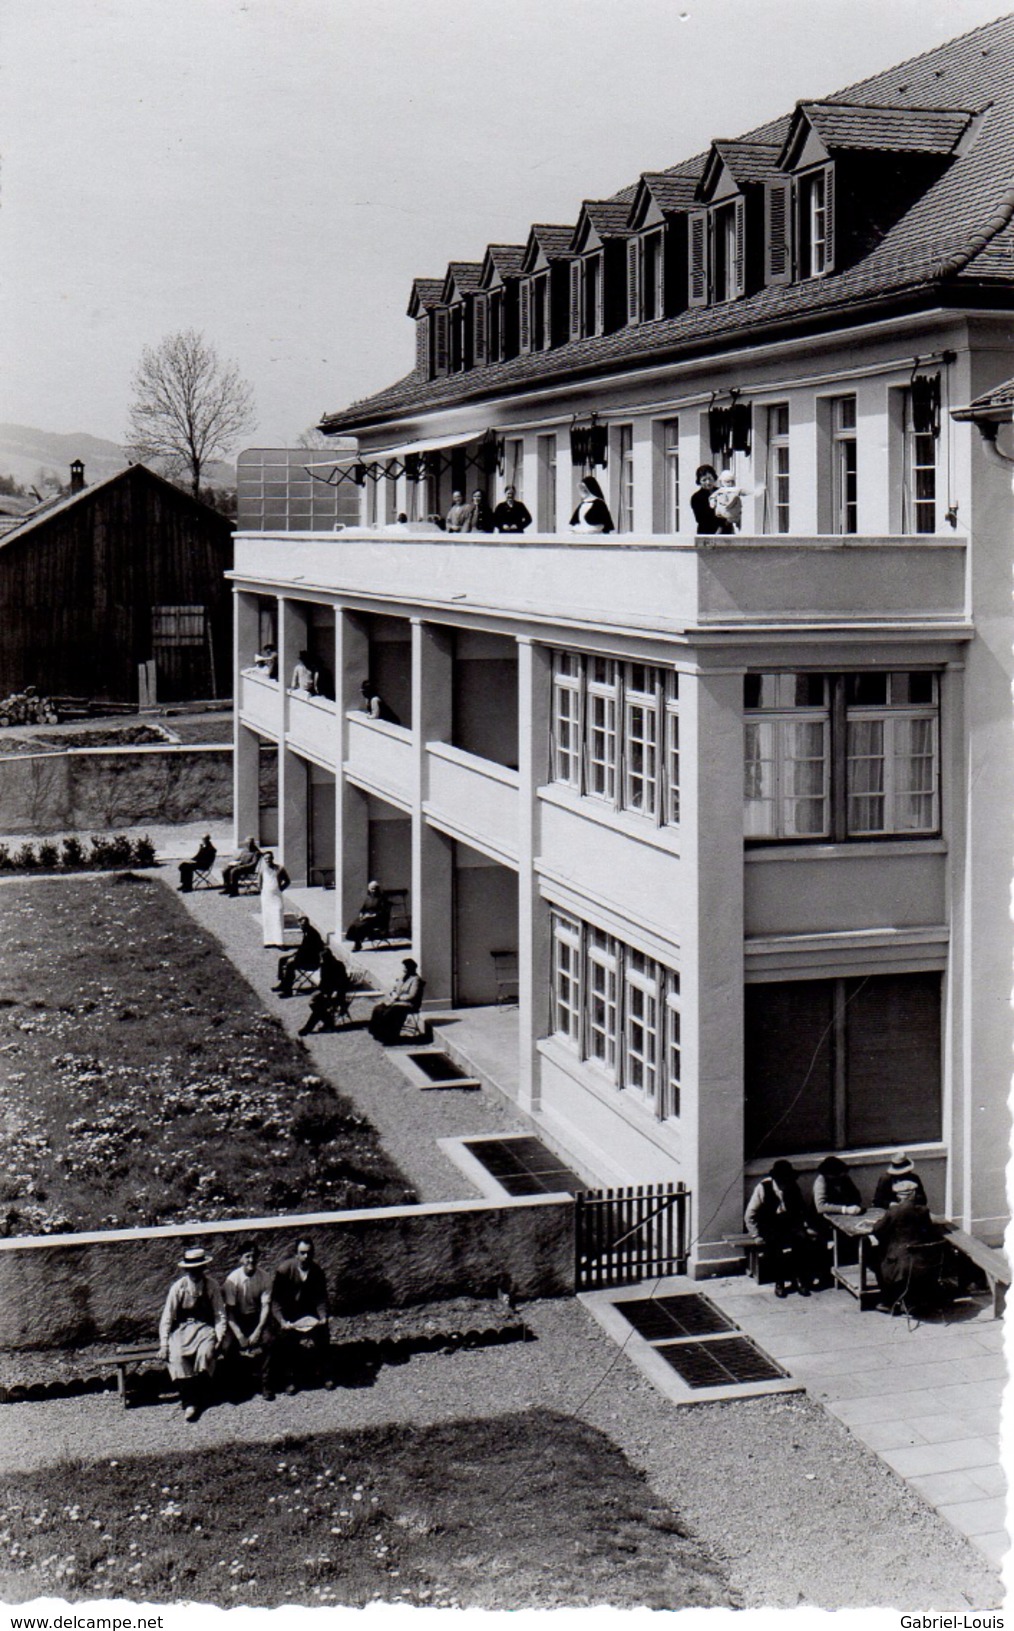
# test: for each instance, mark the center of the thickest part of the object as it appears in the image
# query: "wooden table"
(856, 1278)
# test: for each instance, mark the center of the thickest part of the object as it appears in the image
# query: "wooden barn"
(117, 592)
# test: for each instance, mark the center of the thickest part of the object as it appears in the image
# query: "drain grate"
(438, 1067)
(690, 1315)
(523, 1166)
(722, 1363)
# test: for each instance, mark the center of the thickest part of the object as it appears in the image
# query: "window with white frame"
(726, 285)
(844, 491)
(652, 273)
(671, 476)
(813, 224)
(919, 474)
(619, 1007)
(547, 484)
(841, 756)
(541, 328)
(567, 690)
(776, 491)
(891, 753)
(625, 450)
(626, 718)
(567, 988)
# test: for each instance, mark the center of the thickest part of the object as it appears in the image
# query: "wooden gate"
(632, 1234)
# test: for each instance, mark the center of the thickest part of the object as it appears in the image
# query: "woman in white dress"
(274, 879)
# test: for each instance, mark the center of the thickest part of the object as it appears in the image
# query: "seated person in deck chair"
(331, 995)
(371, 923)
(306, 956)
(244, 866)
(203, 861)
(404, 998)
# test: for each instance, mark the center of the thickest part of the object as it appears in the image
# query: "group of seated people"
(275, 1323)
(795, 1235)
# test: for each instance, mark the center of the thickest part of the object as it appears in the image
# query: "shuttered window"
(440, 357)
(652, 277)
(526, 317)
(698, 258)
(495, 338)
(842, 1064)
(575, 299)
(422, 346)
(480, 327)
(778, 232)
(816, 222)
(633, 280)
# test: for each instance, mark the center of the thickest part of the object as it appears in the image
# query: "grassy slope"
(143, 1084)
(534, 1510)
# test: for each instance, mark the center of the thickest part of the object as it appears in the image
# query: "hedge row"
(99, 855)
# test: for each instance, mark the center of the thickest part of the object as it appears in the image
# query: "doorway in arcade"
(485, 921)
(320, 826)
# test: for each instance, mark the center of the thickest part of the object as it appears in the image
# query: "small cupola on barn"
(77, 480)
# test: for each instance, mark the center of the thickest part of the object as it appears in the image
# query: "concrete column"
(711, 974)
(432, 852)
(534, 702)
(352, 827)
(246, 743)
(293, 789)
(564, 481)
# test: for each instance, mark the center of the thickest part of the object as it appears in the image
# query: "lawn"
(522, 1511)
(142, 1081)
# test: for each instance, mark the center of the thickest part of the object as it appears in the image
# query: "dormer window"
(652, 277)
(541, 319)
(591, 295)
(816, 223)
(495, 337)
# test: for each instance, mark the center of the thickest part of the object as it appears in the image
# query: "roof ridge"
(920, 56)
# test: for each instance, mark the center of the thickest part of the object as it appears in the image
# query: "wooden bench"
(991, 1263)
(752, 1250)
(127, 1360)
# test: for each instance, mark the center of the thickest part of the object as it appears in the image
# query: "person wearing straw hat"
(901, 1170)
(192, 1330)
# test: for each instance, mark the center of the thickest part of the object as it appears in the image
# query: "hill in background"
(25, 452)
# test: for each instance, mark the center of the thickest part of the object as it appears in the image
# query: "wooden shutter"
(575, 299)
(480, 309)
(789, 1040)
(739, 249)
(526, 317)
(600, 292)
(778, 232)
(893, 1050)
(440, 341)
(422, 345)
(697, 259)
(829, 222)
(633, 280)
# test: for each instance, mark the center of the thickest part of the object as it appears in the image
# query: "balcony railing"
(260, 702)
(313, 727)
(380, 758)
(658, 584)
(473, 798)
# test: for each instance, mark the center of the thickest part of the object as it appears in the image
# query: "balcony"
(665, 585)
(260, 704)
(474, 799)
(380, 759)
(312, 728)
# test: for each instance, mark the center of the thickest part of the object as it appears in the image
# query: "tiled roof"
(609, 217)
(427, 292)
(749, 161)
(887, 130)
(554, 241)
(995, 404)
(959, 228)
(506, 258)
(466, 275)
(671, 191)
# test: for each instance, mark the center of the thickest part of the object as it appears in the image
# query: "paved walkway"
(924, 1397)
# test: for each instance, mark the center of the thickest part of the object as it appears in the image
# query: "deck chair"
(204, 878)
(413, 1024)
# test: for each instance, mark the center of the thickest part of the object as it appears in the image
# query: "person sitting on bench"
(247, 1296)
(203, 861)
(909, 1273)
(403, 999)
(306, 957)
(192, 1330)
(776, 1216)
(900, 1171)
(331, 995)
(244, 866)
(373, 918)
(299, 1309)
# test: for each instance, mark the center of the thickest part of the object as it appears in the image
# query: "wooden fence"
(632, 1234)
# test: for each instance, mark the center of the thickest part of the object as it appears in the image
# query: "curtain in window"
(805, 778)
(866, 789)
(914, 774)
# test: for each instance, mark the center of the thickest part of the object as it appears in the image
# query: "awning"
(428, 445)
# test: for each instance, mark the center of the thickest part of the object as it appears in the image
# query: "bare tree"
(314, 438)
(189, 406)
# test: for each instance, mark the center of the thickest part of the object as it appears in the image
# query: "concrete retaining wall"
(63, 1291)
(108, 788)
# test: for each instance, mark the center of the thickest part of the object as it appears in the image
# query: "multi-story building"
(741, 803)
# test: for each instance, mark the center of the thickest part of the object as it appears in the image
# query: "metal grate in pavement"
(725, 1362)
(438, 1067)
(523, 1166)
(656, 1318)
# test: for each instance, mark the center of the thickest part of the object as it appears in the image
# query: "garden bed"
(529, 1510)
(144, 1084)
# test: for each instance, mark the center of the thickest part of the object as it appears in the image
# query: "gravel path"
(793, 1508)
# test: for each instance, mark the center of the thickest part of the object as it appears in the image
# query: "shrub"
(142, 852)
(5, 858)
(24, 858)
(73, 853)
(119, 850)
(49, 855)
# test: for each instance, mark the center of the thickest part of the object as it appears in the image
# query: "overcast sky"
(276, 172)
